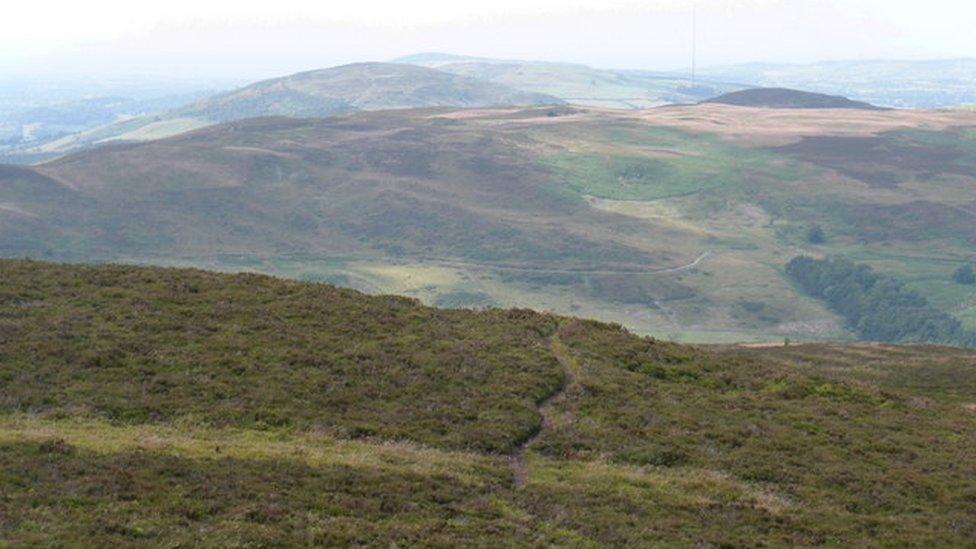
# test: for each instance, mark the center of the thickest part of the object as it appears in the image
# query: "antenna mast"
(694, 41)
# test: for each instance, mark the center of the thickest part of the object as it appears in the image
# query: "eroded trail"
(520, 468)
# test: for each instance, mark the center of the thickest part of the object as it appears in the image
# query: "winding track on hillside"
(461, 264)
(492, 266)
(571, 366)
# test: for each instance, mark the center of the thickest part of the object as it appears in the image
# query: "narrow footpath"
(520, 468)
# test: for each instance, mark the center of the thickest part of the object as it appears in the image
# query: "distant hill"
(914, 84)
(783, 98)
(578, 84)
(358, 87)
(343, 89)
(177, 407)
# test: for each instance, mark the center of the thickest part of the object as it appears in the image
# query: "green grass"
(93, 483)
(166, 407)
(631, 178)
(96, 484)
(648, 163)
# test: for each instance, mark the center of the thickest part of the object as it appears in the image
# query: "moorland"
(676, 221)
(143, 405)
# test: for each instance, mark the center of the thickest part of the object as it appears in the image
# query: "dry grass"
(194, 442)
(771, 127)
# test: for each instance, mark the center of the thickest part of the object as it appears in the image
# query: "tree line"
(877, 307)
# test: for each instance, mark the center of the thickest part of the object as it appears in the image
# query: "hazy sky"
(246, 39)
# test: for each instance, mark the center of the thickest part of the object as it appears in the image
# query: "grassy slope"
(164, 406)
(251, 351)
(584, 212)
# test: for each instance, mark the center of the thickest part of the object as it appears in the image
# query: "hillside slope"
(343, 89)
(358, 87)
(162, 406)
(675, 221)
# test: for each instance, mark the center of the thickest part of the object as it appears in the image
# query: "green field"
(622, 162)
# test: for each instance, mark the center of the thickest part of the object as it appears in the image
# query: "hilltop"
(163, 406)
(676, 221)
(783, 98)
(913, 84)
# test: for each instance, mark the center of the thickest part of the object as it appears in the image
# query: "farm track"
(444, 262)
(490, 266)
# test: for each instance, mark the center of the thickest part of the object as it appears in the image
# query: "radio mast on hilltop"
(694, 41)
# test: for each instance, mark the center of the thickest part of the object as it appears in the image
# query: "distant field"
(646, 164)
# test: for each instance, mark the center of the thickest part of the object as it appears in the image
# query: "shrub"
(815, 235)
(965, 275)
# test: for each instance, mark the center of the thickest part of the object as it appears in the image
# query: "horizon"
(223, 40)
(228, 81)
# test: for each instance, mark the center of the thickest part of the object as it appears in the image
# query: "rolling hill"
(676, 221)
(37, 109)
(579, 84)
(148, 406)
(783, 98)
(358, 87)
(343, 89)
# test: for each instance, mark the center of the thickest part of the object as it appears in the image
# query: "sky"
(246, 40)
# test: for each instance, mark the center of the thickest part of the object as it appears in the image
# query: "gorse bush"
(815, 235)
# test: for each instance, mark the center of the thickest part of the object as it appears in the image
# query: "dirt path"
(460, 264)
(520, 468)
(543, 270)
(691, 265)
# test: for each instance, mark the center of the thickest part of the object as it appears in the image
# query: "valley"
(611, 274)
(674, 221)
